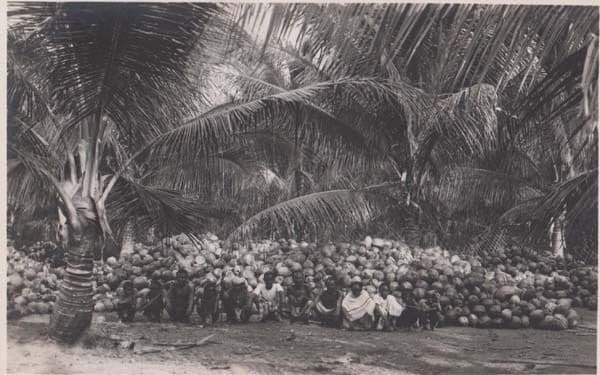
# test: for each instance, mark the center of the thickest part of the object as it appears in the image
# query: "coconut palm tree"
(110, 111)
(441, 49)
(83, 78)
(101, 118)
(380, 123)
(548, 143)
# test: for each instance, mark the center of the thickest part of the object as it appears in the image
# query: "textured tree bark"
(128, 240)
(72, 313)
(558, 236)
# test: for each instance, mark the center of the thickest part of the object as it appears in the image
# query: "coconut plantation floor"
(272, 348)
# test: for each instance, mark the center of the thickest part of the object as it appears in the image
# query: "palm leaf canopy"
(125, 62)
(357, 91)
(467, 44)
(112, 76)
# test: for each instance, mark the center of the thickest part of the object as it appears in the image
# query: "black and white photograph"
(299, 188)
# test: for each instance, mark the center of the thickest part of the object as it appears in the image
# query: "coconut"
(378, 242)
(485, 322)
(30, 274)
(549, 308)
(379, 275)
(452, 314)
(283, 271)
(506, 315)
(505, 292)
(422, 284)
(516, 322)
(99, 307)
(479, 310)
(473, 320)
(515, 300)
(15, 281)
(560, 322)
(419, 293)
(473, 300)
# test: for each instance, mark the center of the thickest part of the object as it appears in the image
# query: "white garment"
(389, 305)
(357, 307)
(268, 294)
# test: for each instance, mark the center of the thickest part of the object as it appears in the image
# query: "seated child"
(268, 297)
(432, 312)
(237, 301)
(389, 306)
(127, 302)
(154, 303)
(208, 303)
(410, 315)
(328, 305)
(180, 298)
(299, 299)
(358, 308)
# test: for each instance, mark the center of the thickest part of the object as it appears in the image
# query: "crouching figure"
(153, 302)
(180, 298)
(237, 302)
(207, 305)
(299, 298)
(328, 304)
(358, 308)
(431, 312)
(126, 303)
(268, 297)
(389, 307)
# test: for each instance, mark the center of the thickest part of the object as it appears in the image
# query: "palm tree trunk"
(74, 306)
(558, 235)
(128, 239)
(73, 310)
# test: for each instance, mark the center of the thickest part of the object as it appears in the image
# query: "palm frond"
(26, 191)
(203, 175)
(577, 196)
(471, 189)
(522, 212)
(116, 60)
(23, 94)
(464, 127)
(281, 113)
(166, 210)
(326, 208)
(481, 36)
(557, 91)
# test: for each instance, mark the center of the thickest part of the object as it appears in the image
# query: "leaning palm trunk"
(73, 311)
(82, 221)
(128, 240)
(78, 109)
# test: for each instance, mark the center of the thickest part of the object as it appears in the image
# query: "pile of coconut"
(516, 288)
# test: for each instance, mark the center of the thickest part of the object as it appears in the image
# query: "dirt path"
(275, 348)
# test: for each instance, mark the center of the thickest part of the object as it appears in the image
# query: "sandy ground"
(276, 348)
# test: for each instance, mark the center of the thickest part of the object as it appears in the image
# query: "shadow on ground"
(276, 348)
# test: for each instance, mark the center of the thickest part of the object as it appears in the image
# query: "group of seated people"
(332, 306)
